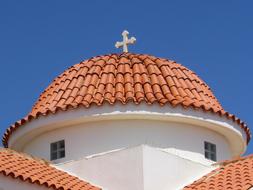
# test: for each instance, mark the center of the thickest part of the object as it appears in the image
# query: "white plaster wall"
(8, 183)
(92, 138)
(229, 130)
(119, 170)
(164, 171)
(137, 168)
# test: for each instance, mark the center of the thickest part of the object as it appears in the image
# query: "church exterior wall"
(138, 168)
(93, 138)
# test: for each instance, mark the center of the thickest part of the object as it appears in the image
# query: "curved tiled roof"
(234, 174)
(124, 78)
(36, 171)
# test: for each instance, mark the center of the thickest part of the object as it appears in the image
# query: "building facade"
(127, 121)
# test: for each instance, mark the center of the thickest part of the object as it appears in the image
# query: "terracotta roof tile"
(124, 77)
(234, 174)
(37, 171)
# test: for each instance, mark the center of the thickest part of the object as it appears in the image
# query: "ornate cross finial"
(125, 41)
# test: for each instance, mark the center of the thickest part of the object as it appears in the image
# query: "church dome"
(126, 78)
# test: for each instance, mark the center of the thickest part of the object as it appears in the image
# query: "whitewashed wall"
(96, 137)
(8, 183)
(138, 168)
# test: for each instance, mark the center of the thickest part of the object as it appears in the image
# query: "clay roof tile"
(232, 174)
(124, 77)
(37, 171)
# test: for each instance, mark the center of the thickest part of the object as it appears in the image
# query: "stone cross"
(125, 41)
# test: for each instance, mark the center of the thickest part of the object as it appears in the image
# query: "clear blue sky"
(40, 39)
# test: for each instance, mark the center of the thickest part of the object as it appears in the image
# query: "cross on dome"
(125, 41)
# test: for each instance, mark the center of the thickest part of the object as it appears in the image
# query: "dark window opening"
(57, 150)
(210, 151)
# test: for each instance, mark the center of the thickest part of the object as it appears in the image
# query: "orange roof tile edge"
(39, 172)
(231, 174)
(124, 78)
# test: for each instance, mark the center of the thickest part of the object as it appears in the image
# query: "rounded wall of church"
(98, 130)
(92, 138)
